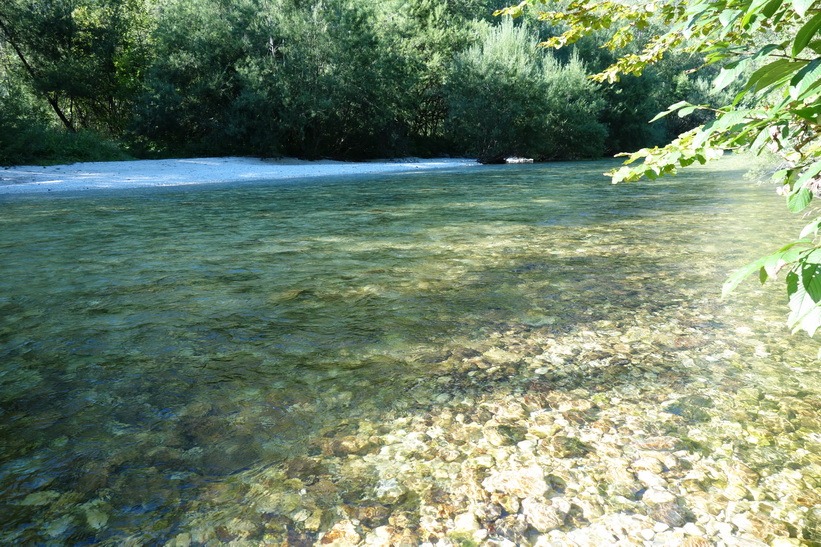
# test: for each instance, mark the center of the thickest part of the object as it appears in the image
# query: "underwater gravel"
(645, 435)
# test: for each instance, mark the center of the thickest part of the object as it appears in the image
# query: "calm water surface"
(159, 346)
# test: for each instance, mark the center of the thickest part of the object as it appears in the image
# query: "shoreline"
(116, 175)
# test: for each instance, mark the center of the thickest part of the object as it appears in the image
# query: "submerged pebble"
(564, 384)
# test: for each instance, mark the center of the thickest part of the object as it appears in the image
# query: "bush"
(506, 98)
(32, 139)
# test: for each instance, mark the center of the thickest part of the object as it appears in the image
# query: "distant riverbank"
(180, 172)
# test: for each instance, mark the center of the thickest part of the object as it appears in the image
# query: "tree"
(772, 49)
(503, 100)
(84, 57)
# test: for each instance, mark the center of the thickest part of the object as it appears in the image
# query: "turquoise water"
(160, 348)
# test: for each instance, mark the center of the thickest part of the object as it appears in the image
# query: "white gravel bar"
(180, 172)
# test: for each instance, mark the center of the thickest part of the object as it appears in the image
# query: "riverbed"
(506, 355)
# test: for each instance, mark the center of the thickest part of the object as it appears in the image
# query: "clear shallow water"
(161, 348)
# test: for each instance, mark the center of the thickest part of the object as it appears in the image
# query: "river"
(522, 354)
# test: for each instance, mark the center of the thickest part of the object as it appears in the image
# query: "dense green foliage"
(344, 79)
(769, 52)
(547, 110)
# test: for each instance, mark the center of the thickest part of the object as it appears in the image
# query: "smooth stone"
(509, 503)
(648, 464)
(541, 516)
(785, 542)
(735, 492)
(648, 534)
(370, 515)
(656, 495)
(314, 522)
(503, 435)
(568, 447)
(522, 482)
(488, 512)
(342, 534)
(692, 529)
(465, 522)
(512, 528)
(650, 479)
(543, 430)
(669, 513)
(389, 491)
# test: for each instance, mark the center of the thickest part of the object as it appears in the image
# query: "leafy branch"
(777, 110)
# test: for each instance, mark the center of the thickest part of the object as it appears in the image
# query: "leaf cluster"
(770, 50)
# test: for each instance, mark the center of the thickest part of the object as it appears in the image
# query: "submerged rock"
(542, 516)
(526, 482)
(342, 534)
(567, 447)
(513, 528)
(390, 491)
(692, 408)
(670, 513)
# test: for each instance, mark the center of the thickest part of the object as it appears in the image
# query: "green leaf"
(739, 275)
(810, 114)
(798, 200)
(729, 74)
(811, 229)
(805, 34)
(801, 6)
(771, 8)
(772, 73)
(769, 48)
(760, 141)
(729, 16)
(722, 123)
(769, 265)
(755, 7)
(804, 290)
(807, 175)
(787, 255)
(807, 78)
(672, 108)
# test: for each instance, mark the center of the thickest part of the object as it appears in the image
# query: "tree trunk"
(51, 100)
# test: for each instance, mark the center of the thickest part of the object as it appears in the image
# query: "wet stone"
(692, 408)
(509, 503)
(323, 489)
(512, 528)
(814, 524)
(342, 534)
(488, 512)
(735, 492)
(305, 467)
(370, 515)
(659, 443)
(465, 522)
(741, 474)
(542, 516)
(504, 435)
(648, 464)
(568, 447)
(344, 446)
(390, 492)
(696, 542)
(670, 513)
(650, 479)
(237, 529)
(520, 482)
